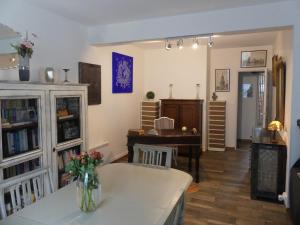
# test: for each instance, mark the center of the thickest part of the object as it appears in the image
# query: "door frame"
(267, 81)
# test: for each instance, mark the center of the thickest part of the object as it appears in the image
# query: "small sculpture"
(214, 96)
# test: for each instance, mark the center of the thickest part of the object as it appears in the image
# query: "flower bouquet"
(82, 168)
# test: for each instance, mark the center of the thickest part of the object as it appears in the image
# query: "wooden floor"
(223, 195)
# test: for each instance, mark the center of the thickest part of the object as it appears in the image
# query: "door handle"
(53, 149)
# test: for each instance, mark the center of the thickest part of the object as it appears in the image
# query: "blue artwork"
(122, 73)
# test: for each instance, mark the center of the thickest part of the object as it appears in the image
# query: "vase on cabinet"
(24, 68)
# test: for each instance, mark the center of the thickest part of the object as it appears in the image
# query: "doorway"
(251, 106)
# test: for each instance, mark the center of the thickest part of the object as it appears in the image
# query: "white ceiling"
(94, 12)
(220, 41)
(7, 33)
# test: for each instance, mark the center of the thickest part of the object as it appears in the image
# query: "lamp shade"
(275, 125)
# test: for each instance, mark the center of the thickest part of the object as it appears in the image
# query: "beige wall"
(284, 47)
(183, 68)
(110, 121)
(229, 58)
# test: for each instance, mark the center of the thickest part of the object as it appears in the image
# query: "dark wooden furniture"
(170, 138)
(91, 74)
(268, 167)
(185, 112)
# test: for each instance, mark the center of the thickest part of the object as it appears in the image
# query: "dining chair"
(152, 155)
(25, 190)
(164, 123)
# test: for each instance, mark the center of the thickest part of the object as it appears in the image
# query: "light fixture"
(274, 126)
(195, 43)
(210, 42)
(12, 59)
(168, 45)
(180, 44)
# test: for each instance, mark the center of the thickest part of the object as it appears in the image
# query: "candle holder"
(66, 75)
(197, 91)
(170, 90)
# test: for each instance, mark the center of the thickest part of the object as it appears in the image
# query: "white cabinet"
(41, 125)
(68, 129)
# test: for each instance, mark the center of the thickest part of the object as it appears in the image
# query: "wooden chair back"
(26, 190)
(163, 123)
(152, 155)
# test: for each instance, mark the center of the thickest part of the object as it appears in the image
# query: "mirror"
(8, 55)
(279, 80)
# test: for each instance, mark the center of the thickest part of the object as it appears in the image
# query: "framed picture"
(91, 74)
(122, 73)
(222, 80)
(257, 58)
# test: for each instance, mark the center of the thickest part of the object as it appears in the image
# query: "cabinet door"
(68, 117)
(63, 156)
(189, 116)
(23, 132)
(171, 111)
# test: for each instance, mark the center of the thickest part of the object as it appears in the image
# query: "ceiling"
(220, 41)
(94, 12)
(7, 33)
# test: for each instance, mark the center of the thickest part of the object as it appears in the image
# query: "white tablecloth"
(131, 195)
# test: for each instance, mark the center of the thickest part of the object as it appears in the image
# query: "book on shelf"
(20, 141)
(21, 168)
(65, 117)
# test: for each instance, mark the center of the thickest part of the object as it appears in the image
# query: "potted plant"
(82, 168)
(150, 95)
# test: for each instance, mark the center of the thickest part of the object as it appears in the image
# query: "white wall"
(60, 42)
(183, 68)
(117, 113)
(230, 58)
(63, 43)
(284, 47)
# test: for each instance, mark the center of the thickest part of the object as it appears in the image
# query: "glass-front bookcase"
(22, 147)
(68, 125)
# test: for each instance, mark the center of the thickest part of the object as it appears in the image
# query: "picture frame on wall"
(91, 74)
(122, 73)
(222, 80)
(256, 58)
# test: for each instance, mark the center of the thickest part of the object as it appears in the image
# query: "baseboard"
(118, 156)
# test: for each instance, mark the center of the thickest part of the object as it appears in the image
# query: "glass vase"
(24, 68)
(88, 192)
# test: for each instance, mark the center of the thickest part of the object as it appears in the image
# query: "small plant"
(150, 95)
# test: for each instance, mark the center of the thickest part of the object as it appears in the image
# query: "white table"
(131, 195)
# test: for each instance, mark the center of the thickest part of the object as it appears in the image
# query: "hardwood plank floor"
(223, 195)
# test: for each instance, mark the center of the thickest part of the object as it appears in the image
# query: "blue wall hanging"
(122, 73)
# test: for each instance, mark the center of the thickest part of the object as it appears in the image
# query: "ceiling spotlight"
(210, 42)
(12, 59)
(195, 43)
(180, 44)
(168, 45)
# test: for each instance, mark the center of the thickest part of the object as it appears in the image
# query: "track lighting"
(195, 43)
(210, 42)
(168, 45)
(180, 44)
